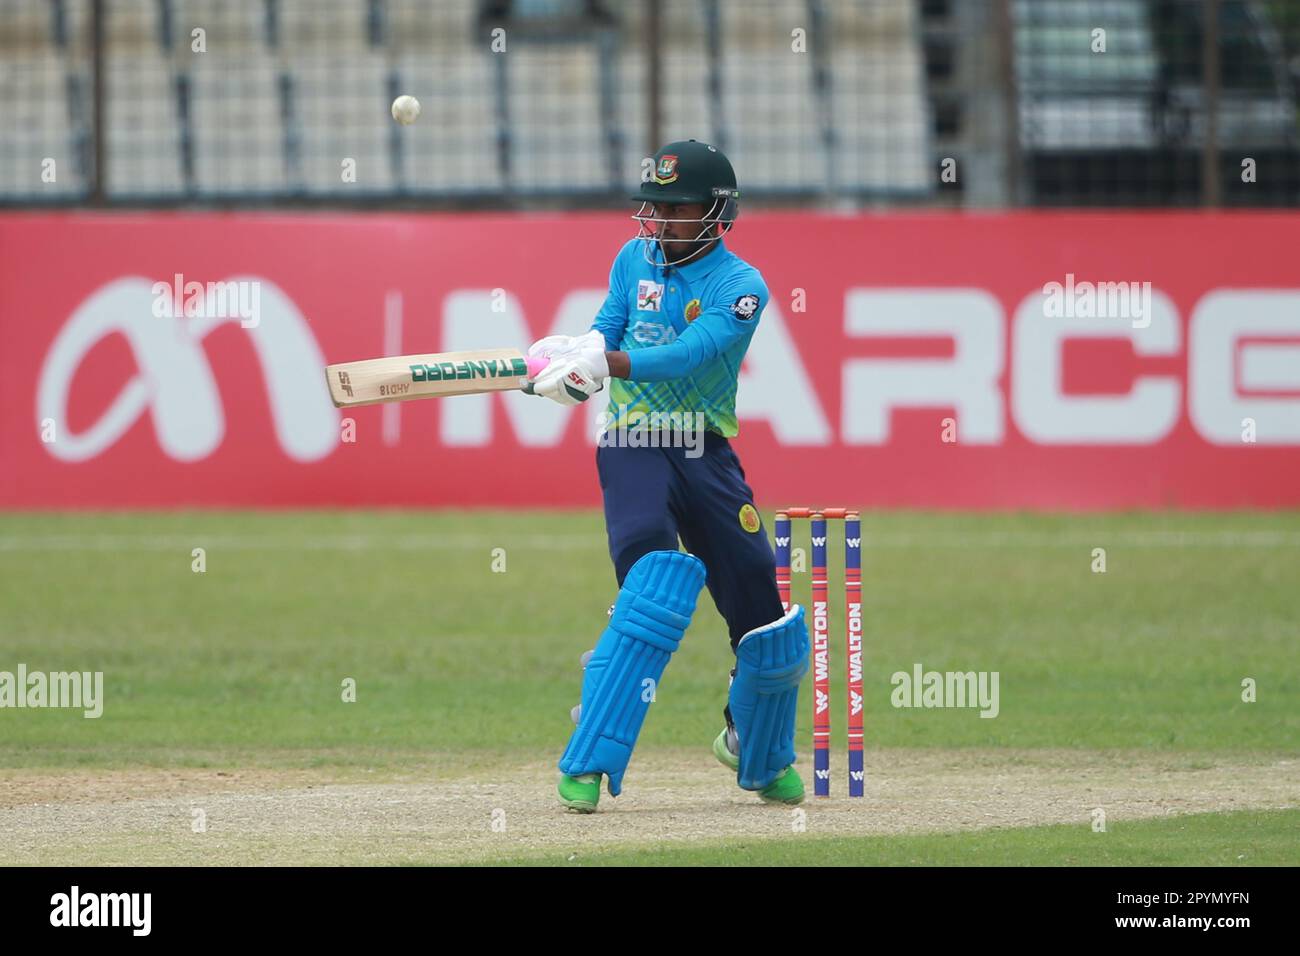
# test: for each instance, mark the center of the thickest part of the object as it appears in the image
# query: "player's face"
(676, 237)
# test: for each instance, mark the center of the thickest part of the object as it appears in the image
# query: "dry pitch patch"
(326, 816)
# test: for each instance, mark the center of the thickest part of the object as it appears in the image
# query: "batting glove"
(572, 380)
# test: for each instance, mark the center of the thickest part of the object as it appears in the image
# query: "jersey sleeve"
(611, 320)
(732, 314)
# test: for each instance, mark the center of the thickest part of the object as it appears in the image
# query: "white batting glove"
(593, 341)
(561, 346)
(572, 380)
(551, 346)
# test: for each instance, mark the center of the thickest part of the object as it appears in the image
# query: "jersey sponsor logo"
(749, 519)
(649, 296)
(693, 310)
(666, 171)
(745, 307)
(653, 333)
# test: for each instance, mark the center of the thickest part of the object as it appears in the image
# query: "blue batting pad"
(770, 662)
(650, 616)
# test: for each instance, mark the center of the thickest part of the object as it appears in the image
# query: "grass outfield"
(462, 633)
(451, 657)
(1265, 838)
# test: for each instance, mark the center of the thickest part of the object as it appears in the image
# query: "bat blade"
(400, 378)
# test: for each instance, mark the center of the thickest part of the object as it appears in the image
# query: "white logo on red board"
(174, 381)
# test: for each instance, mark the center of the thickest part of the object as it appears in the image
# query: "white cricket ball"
(406, 109)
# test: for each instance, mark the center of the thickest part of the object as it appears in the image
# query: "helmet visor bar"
(652, 226)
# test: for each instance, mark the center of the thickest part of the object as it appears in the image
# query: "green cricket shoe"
(787, 788)
(580, 793)
(722, 745)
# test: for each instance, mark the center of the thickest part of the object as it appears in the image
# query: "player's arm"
(611, 320)
(620, 364)
(576, 366)
(733, 314)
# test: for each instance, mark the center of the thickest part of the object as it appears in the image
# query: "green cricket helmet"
(687, 171)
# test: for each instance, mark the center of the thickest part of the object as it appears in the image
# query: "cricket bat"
(402, 377)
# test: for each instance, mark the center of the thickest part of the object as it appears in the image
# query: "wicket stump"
(818, 518)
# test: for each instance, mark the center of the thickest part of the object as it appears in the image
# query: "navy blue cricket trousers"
(654, 495)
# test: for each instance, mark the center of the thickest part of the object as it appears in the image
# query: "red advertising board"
(1044, 361)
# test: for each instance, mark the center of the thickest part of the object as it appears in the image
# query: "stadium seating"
(42, 104)
(271, 98)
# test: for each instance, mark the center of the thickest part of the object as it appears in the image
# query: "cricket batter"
(669, 339)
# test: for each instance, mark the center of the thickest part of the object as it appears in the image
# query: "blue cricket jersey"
(686, 329)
